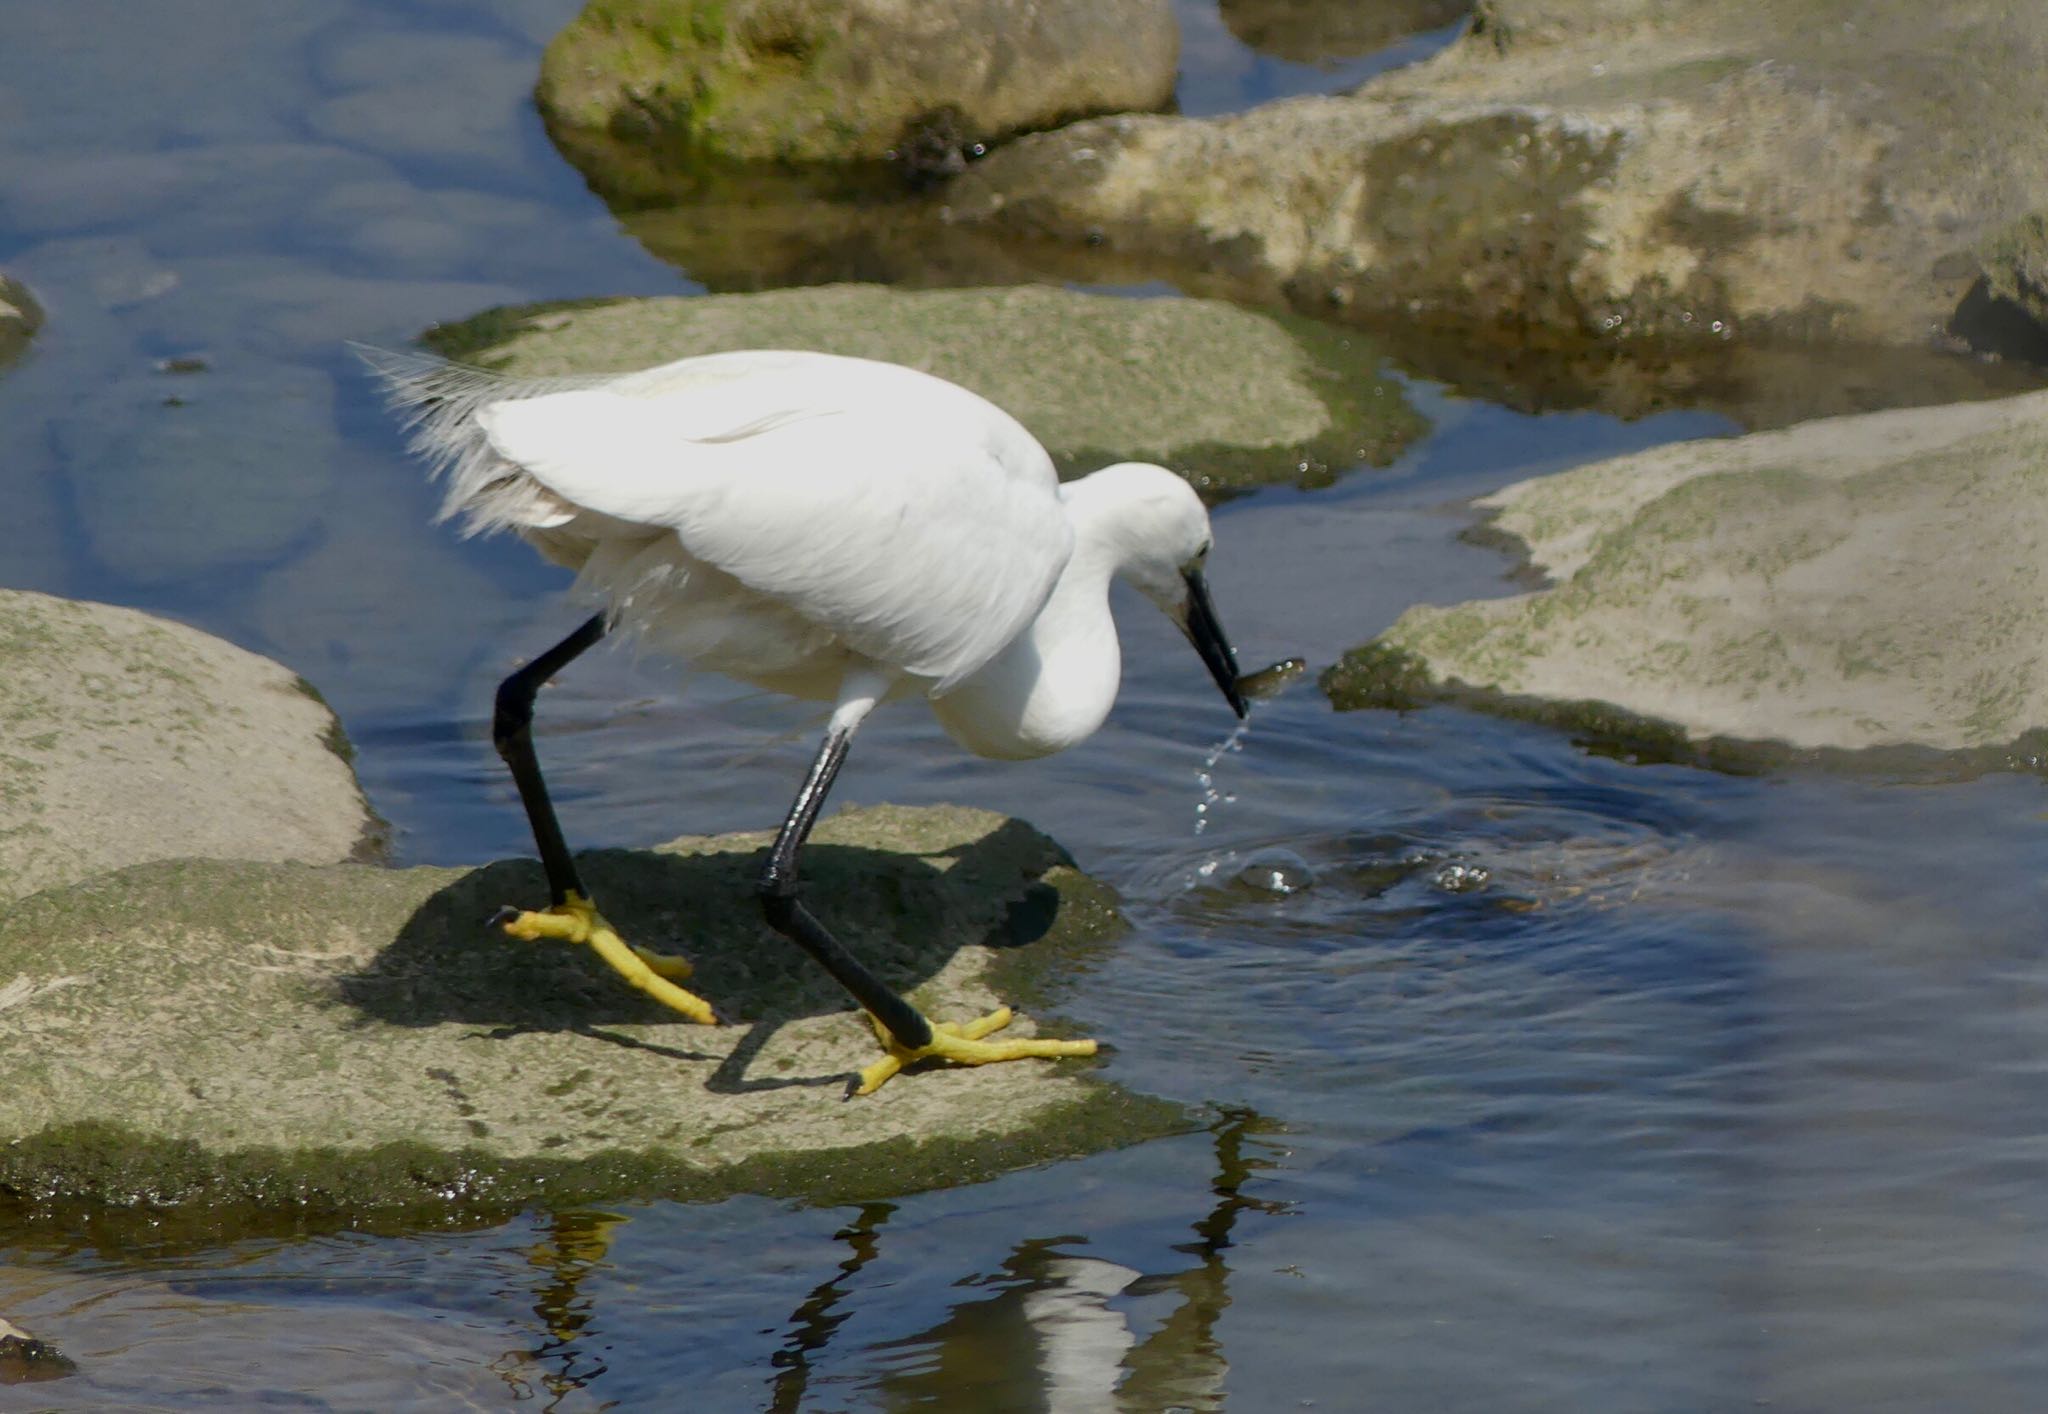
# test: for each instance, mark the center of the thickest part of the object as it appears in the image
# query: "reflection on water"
(1076, 1320)
(1052, 1327)
(572, 1244)
(1602, 1086)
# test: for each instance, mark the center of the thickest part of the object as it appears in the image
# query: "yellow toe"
(961, 1043)
(576, 920)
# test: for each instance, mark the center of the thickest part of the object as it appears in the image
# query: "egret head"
(1164, 542)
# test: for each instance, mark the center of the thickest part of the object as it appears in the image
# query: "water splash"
(1206, 778)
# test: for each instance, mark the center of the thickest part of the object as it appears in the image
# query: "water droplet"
(1457, 878)
(1276, 871)
(1205, 777)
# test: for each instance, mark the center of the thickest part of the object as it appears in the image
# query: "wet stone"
(1228, 397)
(1861, 591)
(348, 1038)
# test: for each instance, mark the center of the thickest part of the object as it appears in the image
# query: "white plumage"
(831, 528)
(827, 527)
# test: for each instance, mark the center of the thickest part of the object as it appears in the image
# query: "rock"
(1318, 31)
(804, 81)
(348, 1038)
(1596, 170)
(126, 738)
(26, 1360)
(1857, 583)
(180, 476)
(20, 317)
(2006, 311)
(1231, 397)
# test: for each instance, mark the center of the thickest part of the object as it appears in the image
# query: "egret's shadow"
(899, 912)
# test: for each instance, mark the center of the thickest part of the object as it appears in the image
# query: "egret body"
(830, 528)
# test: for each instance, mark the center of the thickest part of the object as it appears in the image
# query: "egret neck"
(1056, 681)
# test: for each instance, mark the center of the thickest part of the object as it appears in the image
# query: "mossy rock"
(328, 1042)
(1862, 592)
(1230, 398)
(807, 81)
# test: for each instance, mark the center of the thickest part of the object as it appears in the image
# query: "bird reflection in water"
(1063, 1332)
(1059, 1331)
(573, 1244)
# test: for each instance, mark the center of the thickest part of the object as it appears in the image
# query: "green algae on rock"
(805, 81)
(1596, 170)
(1229, 397)
(344, 1038)
(1865, 585)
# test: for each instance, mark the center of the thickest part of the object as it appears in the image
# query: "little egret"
(831, 528)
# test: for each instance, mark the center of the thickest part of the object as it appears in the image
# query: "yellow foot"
(578, 921)
(960, 1042)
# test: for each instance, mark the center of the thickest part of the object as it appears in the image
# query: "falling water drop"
(1206, 776)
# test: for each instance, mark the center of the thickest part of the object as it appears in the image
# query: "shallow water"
(1554, 1082)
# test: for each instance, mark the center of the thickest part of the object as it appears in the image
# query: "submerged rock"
(20, 317)
(177, 477)
(26, 1360)
(347, 1038)
(1857, 583)
(801, 81)
(125, 737)
(1229, 397)
(1597, 169)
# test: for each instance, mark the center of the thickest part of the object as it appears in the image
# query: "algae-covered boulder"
(1861, 582)
(1229, 397)
(806, 81)
(125, 737)
(1597, 169)
(350, 1037)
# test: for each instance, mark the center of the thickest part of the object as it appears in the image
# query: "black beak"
(1207, 635)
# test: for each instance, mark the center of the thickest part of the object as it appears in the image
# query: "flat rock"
(1595, 168)
(1231, 398)
(125, 738)
(806, 81)
(1851, 584)
(350, 1038)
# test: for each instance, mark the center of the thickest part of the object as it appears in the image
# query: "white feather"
(798, 519)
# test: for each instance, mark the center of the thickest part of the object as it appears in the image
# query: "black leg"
(786, 915)
(512, 732)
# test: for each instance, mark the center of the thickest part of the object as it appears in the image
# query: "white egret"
(832, 528)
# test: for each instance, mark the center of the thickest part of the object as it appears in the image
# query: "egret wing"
(923, 528)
